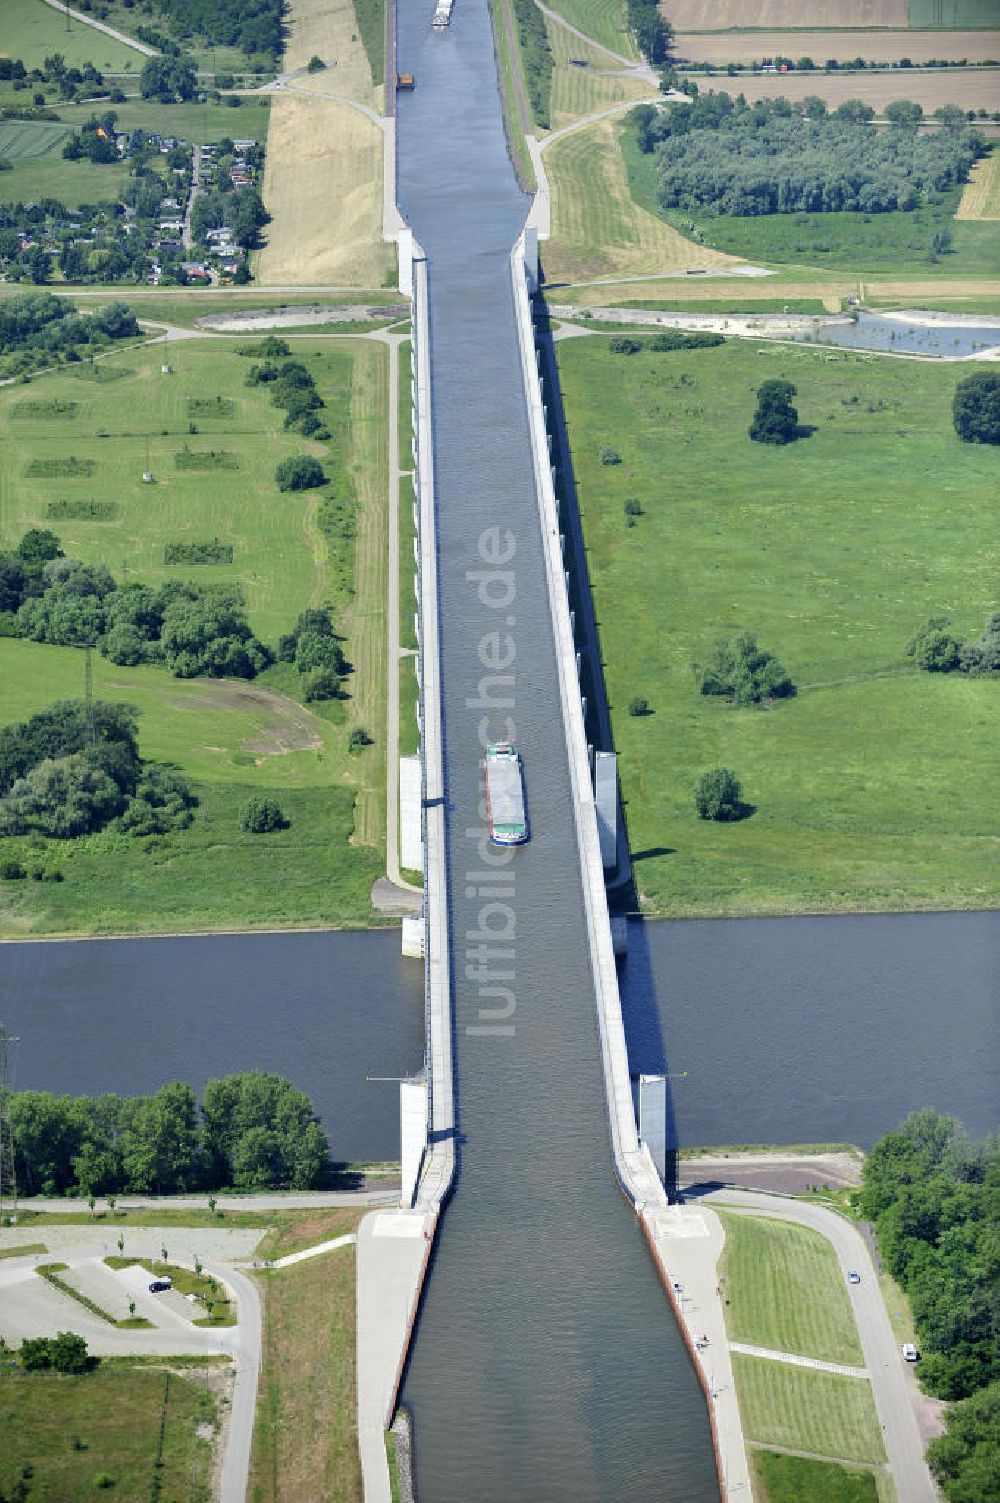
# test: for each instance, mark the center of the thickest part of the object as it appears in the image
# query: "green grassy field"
(807, 1410)
(799, 1479)
(578, 91)
(604, 20)
(33, 31)
(899, 243)
(305, 1438)
(786, 1291)
(951, 13)
(72, 183)
(115, 1416)
(282, 562)
(230, 737)
(833, 550)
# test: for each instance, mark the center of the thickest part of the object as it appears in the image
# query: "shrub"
(103, 1480)
(12, 871)
(320, 684)
(632, 510)
(976, 408)
(262, 815)
(622, 344)
(609, 455)
(741, 671)
(719, 795)
(358, 740)
(638, 706)
(776, 420)
(300, 473)
(315, 64)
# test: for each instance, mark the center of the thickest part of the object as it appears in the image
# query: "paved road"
(119, 36)
(794, 1360)
(886, 1368)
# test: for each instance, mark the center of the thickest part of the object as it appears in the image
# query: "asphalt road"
(890, 1379)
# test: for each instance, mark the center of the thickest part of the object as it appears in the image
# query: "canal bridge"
(536, 1349)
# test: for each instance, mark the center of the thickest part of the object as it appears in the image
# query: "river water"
(898, 335)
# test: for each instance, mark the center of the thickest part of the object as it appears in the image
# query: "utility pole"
(8, 1174)
(88, 695)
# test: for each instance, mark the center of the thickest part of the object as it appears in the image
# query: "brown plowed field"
(782, 15)
(873, 46)
(973, 89)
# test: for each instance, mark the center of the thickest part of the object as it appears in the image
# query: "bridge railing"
(633, 1163)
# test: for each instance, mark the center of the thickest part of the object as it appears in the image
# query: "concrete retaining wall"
(439, 1161)
(633, 1165)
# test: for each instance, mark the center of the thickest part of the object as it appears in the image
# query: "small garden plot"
(44, 411)
(81, 511)
(61, 469)
(198, 553)
(209, 407)
(206, 459)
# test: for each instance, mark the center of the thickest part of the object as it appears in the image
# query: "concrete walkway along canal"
(547, 1362)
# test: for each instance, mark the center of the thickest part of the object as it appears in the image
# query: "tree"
(160, 1141)
(299, 473)
(966, 1460)
(933, 648)
(719, 795)
(68, 1353)
(776, 421)
(904, 112)
(62, 798)
(976, 408)
(260, 1132)
(741, 671)
(262, 815)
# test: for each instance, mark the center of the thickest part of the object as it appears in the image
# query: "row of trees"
(252, 1131)
(192, 629)
(934, 1198)
(735, 158)
(536, 59)
(64, 774)
(653, 34)
(293, 388)
(37, 327)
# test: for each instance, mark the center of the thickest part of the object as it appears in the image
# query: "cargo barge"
(505, 814)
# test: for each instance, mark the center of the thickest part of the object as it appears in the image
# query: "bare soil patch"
(722, 15)
(873, 46)
(282, 726)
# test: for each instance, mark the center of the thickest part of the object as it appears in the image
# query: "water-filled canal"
(547, 1363)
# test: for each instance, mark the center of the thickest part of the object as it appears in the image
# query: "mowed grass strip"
(597, 227)
(981, 195)
(604, 20)
(833, 550)
(578, 91)
(786, 1291)
(800, 1479)
(33, 31)
(805, 1409)
(305, 1438)
(116, 1414)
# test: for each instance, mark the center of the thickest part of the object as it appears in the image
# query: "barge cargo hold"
(505, 814)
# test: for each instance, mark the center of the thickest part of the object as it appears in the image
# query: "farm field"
(604, 20)
(873, 46)
(33, 31)
(580, 91)
(597, 227)
(116, 1413)
(859, 805)
(970, 88)
(231, 737)
(784, 15)
(981, 194)
(305, 1442)
(896, 243)
(787, 1291)
(803, 1409)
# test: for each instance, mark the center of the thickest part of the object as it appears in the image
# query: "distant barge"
(505, 814)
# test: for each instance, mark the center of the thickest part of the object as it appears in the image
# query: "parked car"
(910, 1353)
(853, 1276)
(158, 1285)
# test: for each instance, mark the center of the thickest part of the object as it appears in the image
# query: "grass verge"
(833, 550)
(50, 1273)
(305, 1437)
(139, 1427)
(779, 1478)
(785, 1290)
(804, 1409)
(25, 1250)
(301, 1229)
